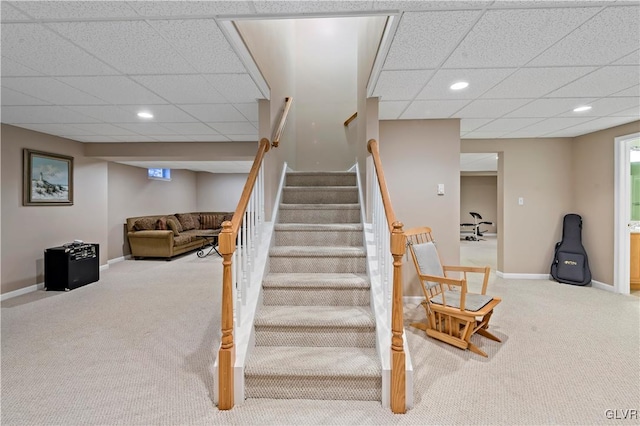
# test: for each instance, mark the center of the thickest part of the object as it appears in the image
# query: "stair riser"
(320, 216)
(342, 337)
(323, 388)
(315, 297)
(321, 180)
(354, 265)
(319, 238)
(315, 196)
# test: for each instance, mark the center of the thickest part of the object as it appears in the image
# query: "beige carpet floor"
(137, 348)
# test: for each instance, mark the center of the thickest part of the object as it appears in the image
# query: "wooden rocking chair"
(453, 314)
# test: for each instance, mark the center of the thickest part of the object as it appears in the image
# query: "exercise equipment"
(477, 221)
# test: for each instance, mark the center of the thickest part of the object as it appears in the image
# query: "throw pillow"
(144, 224)
(175, 219)
(208, 221)
(162, 223)
(186, 220)
(173, 225)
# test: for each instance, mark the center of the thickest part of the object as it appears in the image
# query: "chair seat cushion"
(473, 302)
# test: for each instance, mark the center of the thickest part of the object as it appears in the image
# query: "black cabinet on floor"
(71, 266)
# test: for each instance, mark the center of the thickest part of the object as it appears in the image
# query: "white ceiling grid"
(82, 69)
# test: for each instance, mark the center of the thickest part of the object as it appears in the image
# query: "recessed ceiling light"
(144, 114)
(582, 108)
(459, 85)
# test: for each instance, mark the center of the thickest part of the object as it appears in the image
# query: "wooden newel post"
(398, 378)
(226, 354)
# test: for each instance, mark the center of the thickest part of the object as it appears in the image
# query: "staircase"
(315, 332)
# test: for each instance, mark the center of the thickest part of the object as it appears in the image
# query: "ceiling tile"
(40, 49)
(152, 129)
(171, 138)
(432, 109)
(162, 113)
(107, 113)
(209, 138)
(50, 90)
(631, 112)
(428, 5)
(511, 38)
(56, 129)
(133, 48)
(631, 91)
(243, 138)
(594, 126)
(555, 124)
(289, 7)
(483, 135)
(605, 107)
(483, 108)
(213, 113)
(133, 138)
(603, 82)
(118, 90)
(181, 89)
(470, 124)
(11, 97)
(248, 110)
(401, 85)
(391, 110)
(11, 68)
(506, 125)
(202, 44)
(42, 114)
(535, 82)
(425, 39)
(544, 108)
(77, 9)
(102, 129)
(612, 33)
(631, 59)
(480, 80)
(190, 128)
(234, 128)
(10, 13)
(96, 139)
(236, 88)
(190, 8)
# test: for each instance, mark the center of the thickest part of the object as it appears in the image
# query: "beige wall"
(479, 194)
(219, 192)
(593, 188)
(28, 230)
(272, 44)
(132, 193)
(416, 156)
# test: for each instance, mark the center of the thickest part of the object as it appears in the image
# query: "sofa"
(166, 236)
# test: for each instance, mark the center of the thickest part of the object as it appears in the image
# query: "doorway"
(622, 211)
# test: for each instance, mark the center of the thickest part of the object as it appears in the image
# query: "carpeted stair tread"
(317, 251)
(333, 206)
(310, 188)
(278, 361)
(315, 316)
(321, 227)
(318, 280)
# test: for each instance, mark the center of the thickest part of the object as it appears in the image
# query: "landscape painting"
(48, 179)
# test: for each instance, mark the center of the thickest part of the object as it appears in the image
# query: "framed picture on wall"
(47, 179)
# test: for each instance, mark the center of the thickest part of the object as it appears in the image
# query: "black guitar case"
(570, 261)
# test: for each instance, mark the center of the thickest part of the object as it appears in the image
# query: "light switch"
(441, 189)
(521, 201)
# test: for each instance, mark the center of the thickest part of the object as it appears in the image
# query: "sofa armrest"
(162, 234)
(154, 243)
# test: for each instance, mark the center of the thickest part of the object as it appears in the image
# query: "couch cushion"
(181, 240)
(145, 224)
(186, 221)
(171, 224)
(175, 219)
(209, 221)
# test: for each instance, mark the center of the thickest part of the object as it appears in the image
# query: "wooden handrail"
(397, 248)
(350, 119)
(283, 120)
(226, 247)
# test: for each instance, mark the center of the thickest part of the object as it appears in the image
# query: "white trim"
(621, 216)
(21, 291)
(104, 267)
(118, 259)
(388, 34)
(603, 286)
(511, 276)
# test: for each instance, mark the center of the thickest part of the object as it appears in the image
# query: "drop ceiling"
(82, 70)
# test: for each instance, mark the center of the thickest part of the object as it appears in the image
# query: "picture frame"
(47, 179)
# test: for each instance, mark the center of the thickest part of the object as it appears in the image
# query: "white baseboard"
(118, 259)
(602, 286)
(21, 291)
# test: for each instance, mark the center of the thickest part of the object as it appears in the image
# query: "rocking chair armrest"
(446, 280)
(458, 268)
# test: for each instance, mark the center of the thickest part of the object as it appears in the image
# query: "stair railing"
(283, 120)
(350, 119)
(388, 233)
(236, 243)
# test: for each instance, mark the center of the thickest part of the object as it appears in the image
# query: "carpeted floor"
(137, 348)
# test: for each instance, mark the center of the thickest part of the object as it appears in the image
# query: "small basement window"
(159, 174)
